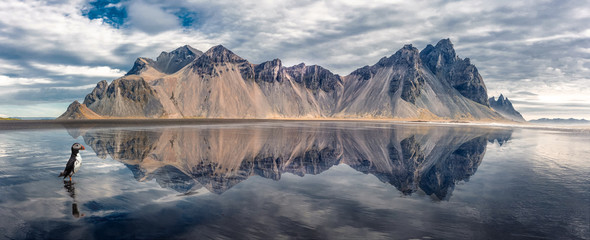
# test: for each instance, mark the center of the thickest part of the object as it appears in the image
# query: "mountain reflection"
(409, 157)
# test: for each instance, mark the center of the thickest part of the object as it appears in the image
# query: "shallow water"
(311, 180)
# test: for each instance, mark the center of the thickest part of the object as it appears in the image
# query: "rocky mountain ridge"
(432, 84)
(505, 108)
(167, 62)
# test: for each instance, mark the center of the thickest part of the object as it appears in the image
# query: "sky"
(536, 53)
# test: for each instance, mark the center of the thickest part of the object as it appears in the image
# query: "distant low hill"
(432, 84)
(8, 118)
(560, 121)
(27, 118)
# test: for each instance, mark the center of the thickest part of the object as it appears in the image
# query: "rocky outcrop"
(171, 62)
(410, 82)
(217, 56)
(433, 84)
(125, 97)
(271, 71)
(167, 62)
(141, 64)
(313, 77)
(505, 108)
(459, 73)
(97, 93)
(78, 111)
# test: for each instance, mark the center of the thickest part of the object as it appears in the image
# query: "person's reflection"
(69, 186)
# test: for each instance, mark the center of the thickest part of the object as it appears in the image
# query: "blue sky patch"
(111, 11)
(187, 18)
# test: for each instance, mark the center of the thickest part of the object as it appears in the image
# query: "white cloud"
(151, 18)
(115, 5)
(89, 86)
(582, 35)
(7, 67)
(60, 28)
(11, 81)
(60, 69)
(509, 41)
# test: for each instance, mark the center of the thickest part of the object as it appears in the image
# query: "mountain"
(414, 158)
(432, 84)
(460, 73)
(402, 86)
(79, 111)
(505, 108)
(560, 121)
(167, 62)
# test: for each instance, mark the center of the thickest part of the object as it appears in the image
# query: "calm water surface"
(308, 180)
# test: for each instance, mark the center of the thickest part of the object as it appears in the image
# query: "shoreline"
(134, 122)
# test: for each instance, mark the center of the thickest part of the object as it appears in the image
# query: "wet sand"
(54, 124)
(47, 124)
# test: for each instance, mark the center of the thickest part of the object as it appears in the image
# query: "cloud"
(7, 67)
(10, 81)
(525, 93)
(27, 96)
(534, 46)
(60, 69)
(151, 18)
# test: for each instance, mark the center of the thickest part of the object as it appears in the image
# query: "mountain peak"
(167, 62)
(97, 93)
(186, 49)
(78, 111)
(443, 62)
(446, 42)
(140, 65)
(445, 47)
(407, 55)
(505, 108)
(220, 54)
(171, 62)
(300, 65)
(408, 47)
(218, 49)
